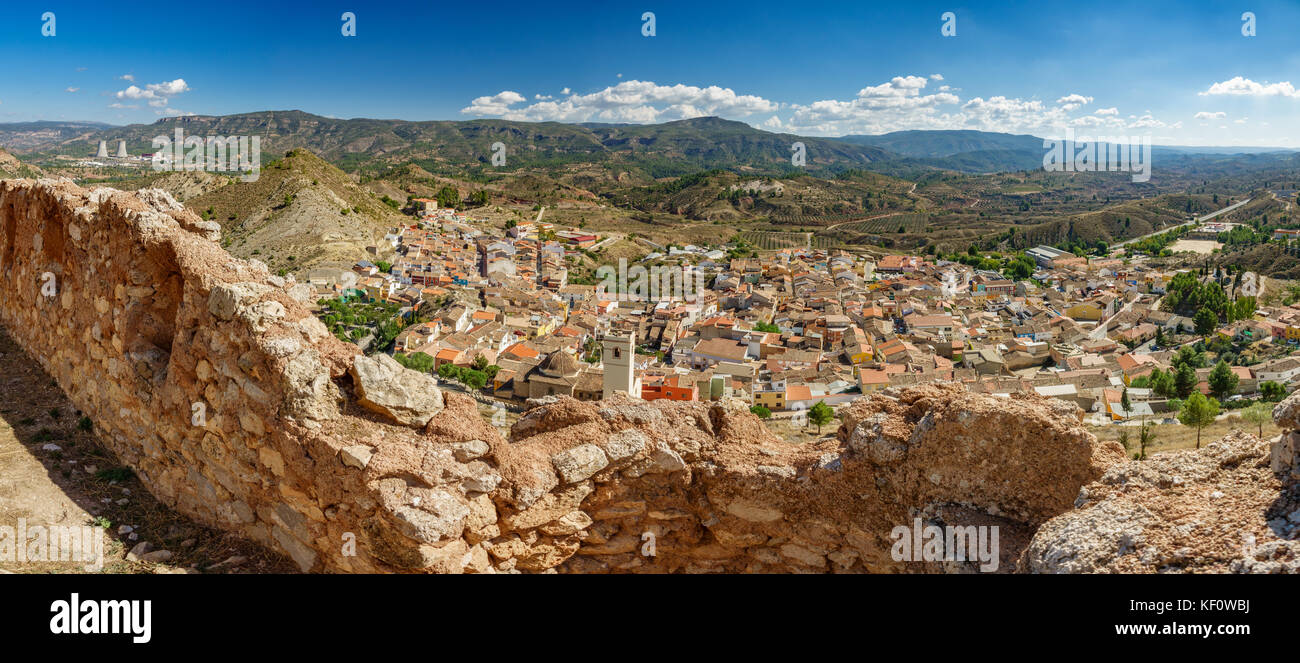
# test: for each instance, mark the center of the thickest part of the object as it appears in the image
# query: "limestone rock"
(407, 397)
(580, 462)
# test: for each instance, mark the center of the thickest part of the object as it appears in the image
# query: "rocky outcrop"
(385, 386)
(596, 487)
(1231, 507)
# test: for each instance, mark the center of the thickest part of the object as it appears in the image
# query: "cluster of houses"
(792, 327)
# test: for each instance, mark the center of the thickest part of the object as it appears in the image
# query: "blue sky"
(1183, 74)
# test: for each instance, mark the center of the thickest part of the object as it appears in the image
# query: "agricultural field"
(896, 223)
(775, 241)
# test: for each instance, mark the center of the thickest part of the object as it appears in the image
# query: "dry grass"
(780, 424)
(1170, 437)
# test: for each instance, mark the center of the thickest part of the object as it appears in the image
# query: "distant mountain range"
(649, 151)
(35, 135)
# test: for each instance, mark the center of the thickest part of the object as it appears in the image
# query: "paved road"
(1193, 222)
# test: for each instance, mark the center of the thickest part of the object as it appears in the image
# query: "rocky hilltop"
(209, 377)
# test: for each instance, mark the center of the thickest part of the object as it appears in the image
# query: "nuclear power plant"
(103, 150)
(121, 149)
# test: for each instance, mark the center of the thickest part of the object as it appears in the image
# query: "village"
(496, 312)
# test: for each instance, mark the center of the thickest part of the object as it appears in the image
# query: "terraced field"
(910, 223)
(774, 241)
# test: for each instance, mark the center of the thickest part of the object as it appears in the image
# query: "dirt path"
(53, 471)
(869, 218)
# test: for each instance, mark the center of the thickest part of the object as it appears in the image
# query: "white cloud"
(72, 89)
(157, 95)
(1072, 101)
(628, 101)
(133, 92)
(542, 97)
(497, 104)
(154, 90)
(1206, 115)
(170, 88)
(1238, 86)
(565, 91)
(877, 109)
(936, 77)
(127, 77)
(903, 102)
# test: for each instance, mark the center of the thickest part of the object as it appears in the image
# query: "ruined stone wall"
(211, 379)
(1230, 507)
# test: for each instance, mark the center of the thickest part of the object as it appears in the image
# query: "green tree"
(1185, 381)
(1198, 412)
(448, 197)
(1206, 321)
(473, 379)
(821, 414)
(418, 361)
(1272, 391)
(1258, 414)
(1222, 381)
(1124, 402)
(761, 411)
(767, 327)
(1161, 383)
(449, 371)
(1146, 438)
(1189, 355)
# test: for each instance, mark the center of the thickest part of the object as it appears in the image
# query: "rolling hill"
(302, 212)
(457, 147)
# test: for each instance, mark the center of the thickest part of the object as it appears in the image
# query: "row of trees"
(1198, 411)
(819, 414)
(1181, 382)
(474, 376)
(1186, 294)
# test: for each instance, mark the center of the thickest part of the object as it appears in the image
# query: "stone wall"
(1230, 507)
(210, 378)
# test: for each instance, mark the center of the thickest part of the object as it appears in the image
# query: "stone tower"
(618, 355)
(103, 150)
(121, 149)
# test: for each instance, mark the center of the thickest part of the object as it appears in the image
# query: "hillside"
(10, 166)
(443, 147)
(29, 135)
(301, 212)
(929, 144)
